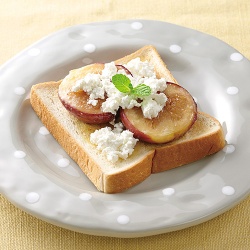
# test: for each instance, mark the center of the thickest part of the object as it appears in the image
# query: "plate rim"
(123, 232)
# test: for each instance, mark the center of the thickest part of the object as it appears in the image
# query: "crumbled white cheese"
(99, 86)
(92, 85)
(153, 105)
(140, 68)
(114, 143)
(119, 143)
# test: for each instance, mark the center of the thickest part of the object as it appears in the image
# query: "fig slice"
(119, 66)
(176, 118)
(77, 102)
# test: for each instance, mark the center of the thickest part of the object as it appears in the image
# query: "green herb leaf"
(122, 83)
(142, 90)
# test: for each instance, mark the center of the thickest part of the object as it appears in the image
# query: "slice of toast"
(204, 138)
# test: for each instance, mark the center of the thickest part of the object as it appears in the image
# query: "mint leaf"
(122, 83)
(142, 90)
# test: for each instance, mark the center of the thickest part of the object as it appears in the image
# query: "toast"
(204, 138)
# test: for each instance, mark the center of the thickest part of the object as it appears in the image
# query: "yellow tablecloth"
(24, 22)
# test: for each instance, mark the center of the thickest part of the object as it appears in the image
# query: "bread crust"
(115, 182)
(150, 54)
(134, 175)
(155, 158)
(183, 151)
(62, 135)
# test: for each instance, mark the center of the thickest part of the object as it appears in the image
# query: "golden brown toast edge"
(181, 152)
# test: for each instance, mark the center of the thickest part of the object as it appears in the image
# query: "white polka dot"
(43, 131)
(19, 154)
(192, 41)
(85, 196)
(136, 25)
(228, 149)
(63, 163)
(87, 60)
(34, 52)
(123, 219)
(228, 190)
(168, 191)
(175, 48)
(90, 48)
(19, 90)
(232, 90)
(77, 35)
(236, 57)
(32, 197)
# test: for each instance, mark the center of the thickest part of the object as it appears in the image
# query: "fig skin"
(176, 118)
(76, 102)
(137, 133)
(88, 117)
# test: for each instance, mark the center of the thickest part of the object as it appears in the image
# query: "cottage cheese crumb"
(114, 143)
(119, 143)
(99, 86)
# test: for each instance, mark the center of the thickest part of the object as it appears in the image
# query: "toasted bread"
(204, 138)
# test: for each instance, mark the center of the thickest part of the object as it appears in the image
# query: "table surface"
(24, 22)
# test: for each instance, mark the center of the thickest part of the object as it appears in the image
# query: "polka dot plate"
(39, 177)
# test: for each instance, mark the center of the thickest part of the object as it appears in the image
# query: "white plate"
(38, 176)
